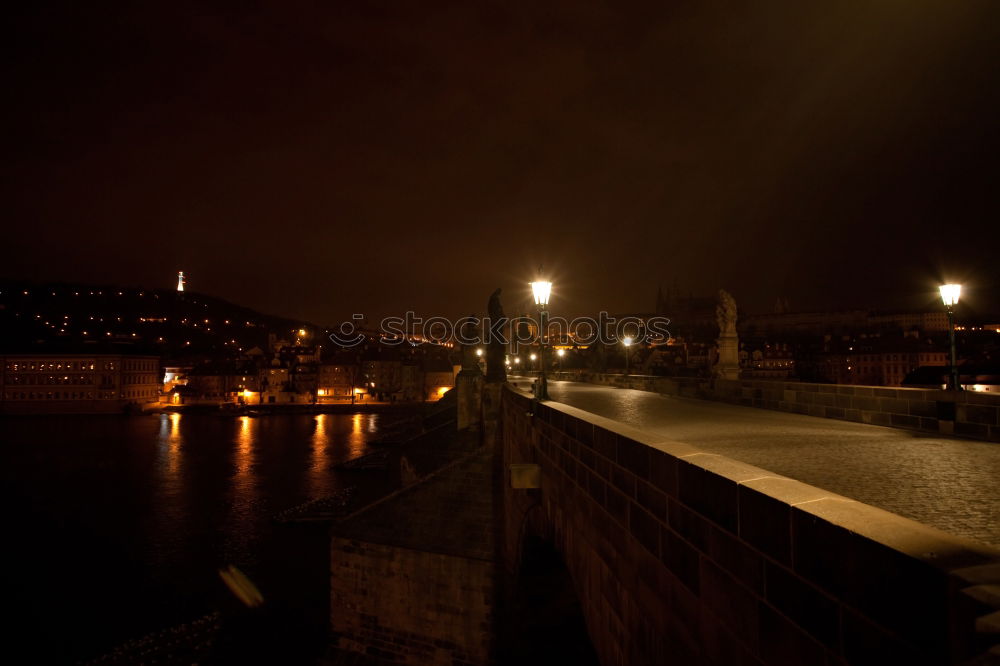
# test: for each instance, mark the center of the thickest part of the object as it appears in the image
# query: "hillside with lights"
(171, 323)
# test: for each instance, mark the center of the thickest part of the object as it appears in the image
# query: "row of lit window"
(899, 357)
(41, 380)
(335, 391)
(141, 365)
(21, 366)
(889, 369)
(78, 395)
(139, 379)
(59, 395)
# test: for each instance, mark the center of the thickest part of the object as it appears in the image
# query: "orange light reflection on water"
(244, 490)
(244, 450)
(170, 447)
(356, 440)
(320, 459)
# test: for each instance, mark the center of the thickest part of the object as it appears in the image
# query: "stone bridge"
(684, 557)
(677, 555)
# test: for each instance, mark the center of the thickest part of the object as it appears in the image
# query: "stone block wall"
(683, 557)
(409, 606)
(413, 576)
(966, 413)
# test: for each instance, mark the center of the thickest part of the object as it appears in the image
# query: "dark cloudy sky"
(318, 159)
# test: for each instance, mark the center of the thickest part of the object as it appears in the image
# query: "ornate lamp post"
(949, 295)
(627, 341)
(541, 289)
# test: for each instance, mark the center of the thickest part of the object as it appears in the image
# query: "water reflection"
(169, 449)
(169, 493)
(318, 476)
(243, 491)
(356, 440)
(156, 505)
(244, 451)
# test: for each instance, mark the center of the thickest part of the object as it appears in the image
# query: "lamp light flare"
(541, 289)
(950, 294)
(627, 340)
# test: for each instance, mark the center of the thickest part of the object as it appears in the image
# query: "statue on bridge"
(725, 314)
(728, 364)
(469, 380)
(496, 370)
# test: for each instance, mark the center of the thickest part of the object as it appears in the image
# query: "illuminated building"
(336, 381)
(381, 373)
(878, 365)
(78, 383)
(426, 379)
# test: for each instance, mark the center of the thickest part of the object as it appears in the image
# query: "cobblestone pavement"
(950, 483)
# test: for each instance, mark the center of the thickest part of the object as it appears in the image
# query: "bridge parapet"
(966, 413)
(680, 556)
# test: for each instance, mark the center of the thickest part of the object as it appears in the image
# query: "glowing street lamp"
(541, 290)
(949, 296)
(627, 341)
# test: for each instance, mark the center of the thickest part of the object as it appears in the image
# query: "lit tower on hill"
(180, 280)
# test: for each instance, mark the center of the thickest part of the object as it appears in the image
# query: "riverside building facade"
(78, 383)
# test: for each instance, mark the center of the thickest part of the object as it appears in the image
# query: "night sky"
(318, 159)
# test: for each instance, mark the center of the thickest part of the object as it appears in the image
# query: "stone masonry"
(683, 557)
(412, 577)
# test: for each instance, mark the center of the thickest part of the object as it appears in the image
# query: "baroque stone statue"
(728, 364)
(725, 314)
(495, 356)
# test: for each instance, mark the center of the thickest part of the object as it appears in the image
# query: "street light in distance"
(627, 341)
(541, 290)
(950, 294)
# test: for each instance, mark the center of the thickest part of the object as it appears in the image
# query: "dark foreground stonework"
(412, 577)
(677, 557)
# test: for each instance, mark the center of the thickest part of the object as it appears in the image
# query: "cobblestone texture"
(948, 483)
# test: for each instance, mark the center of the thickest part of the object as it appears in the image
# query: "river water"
(116, 527)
